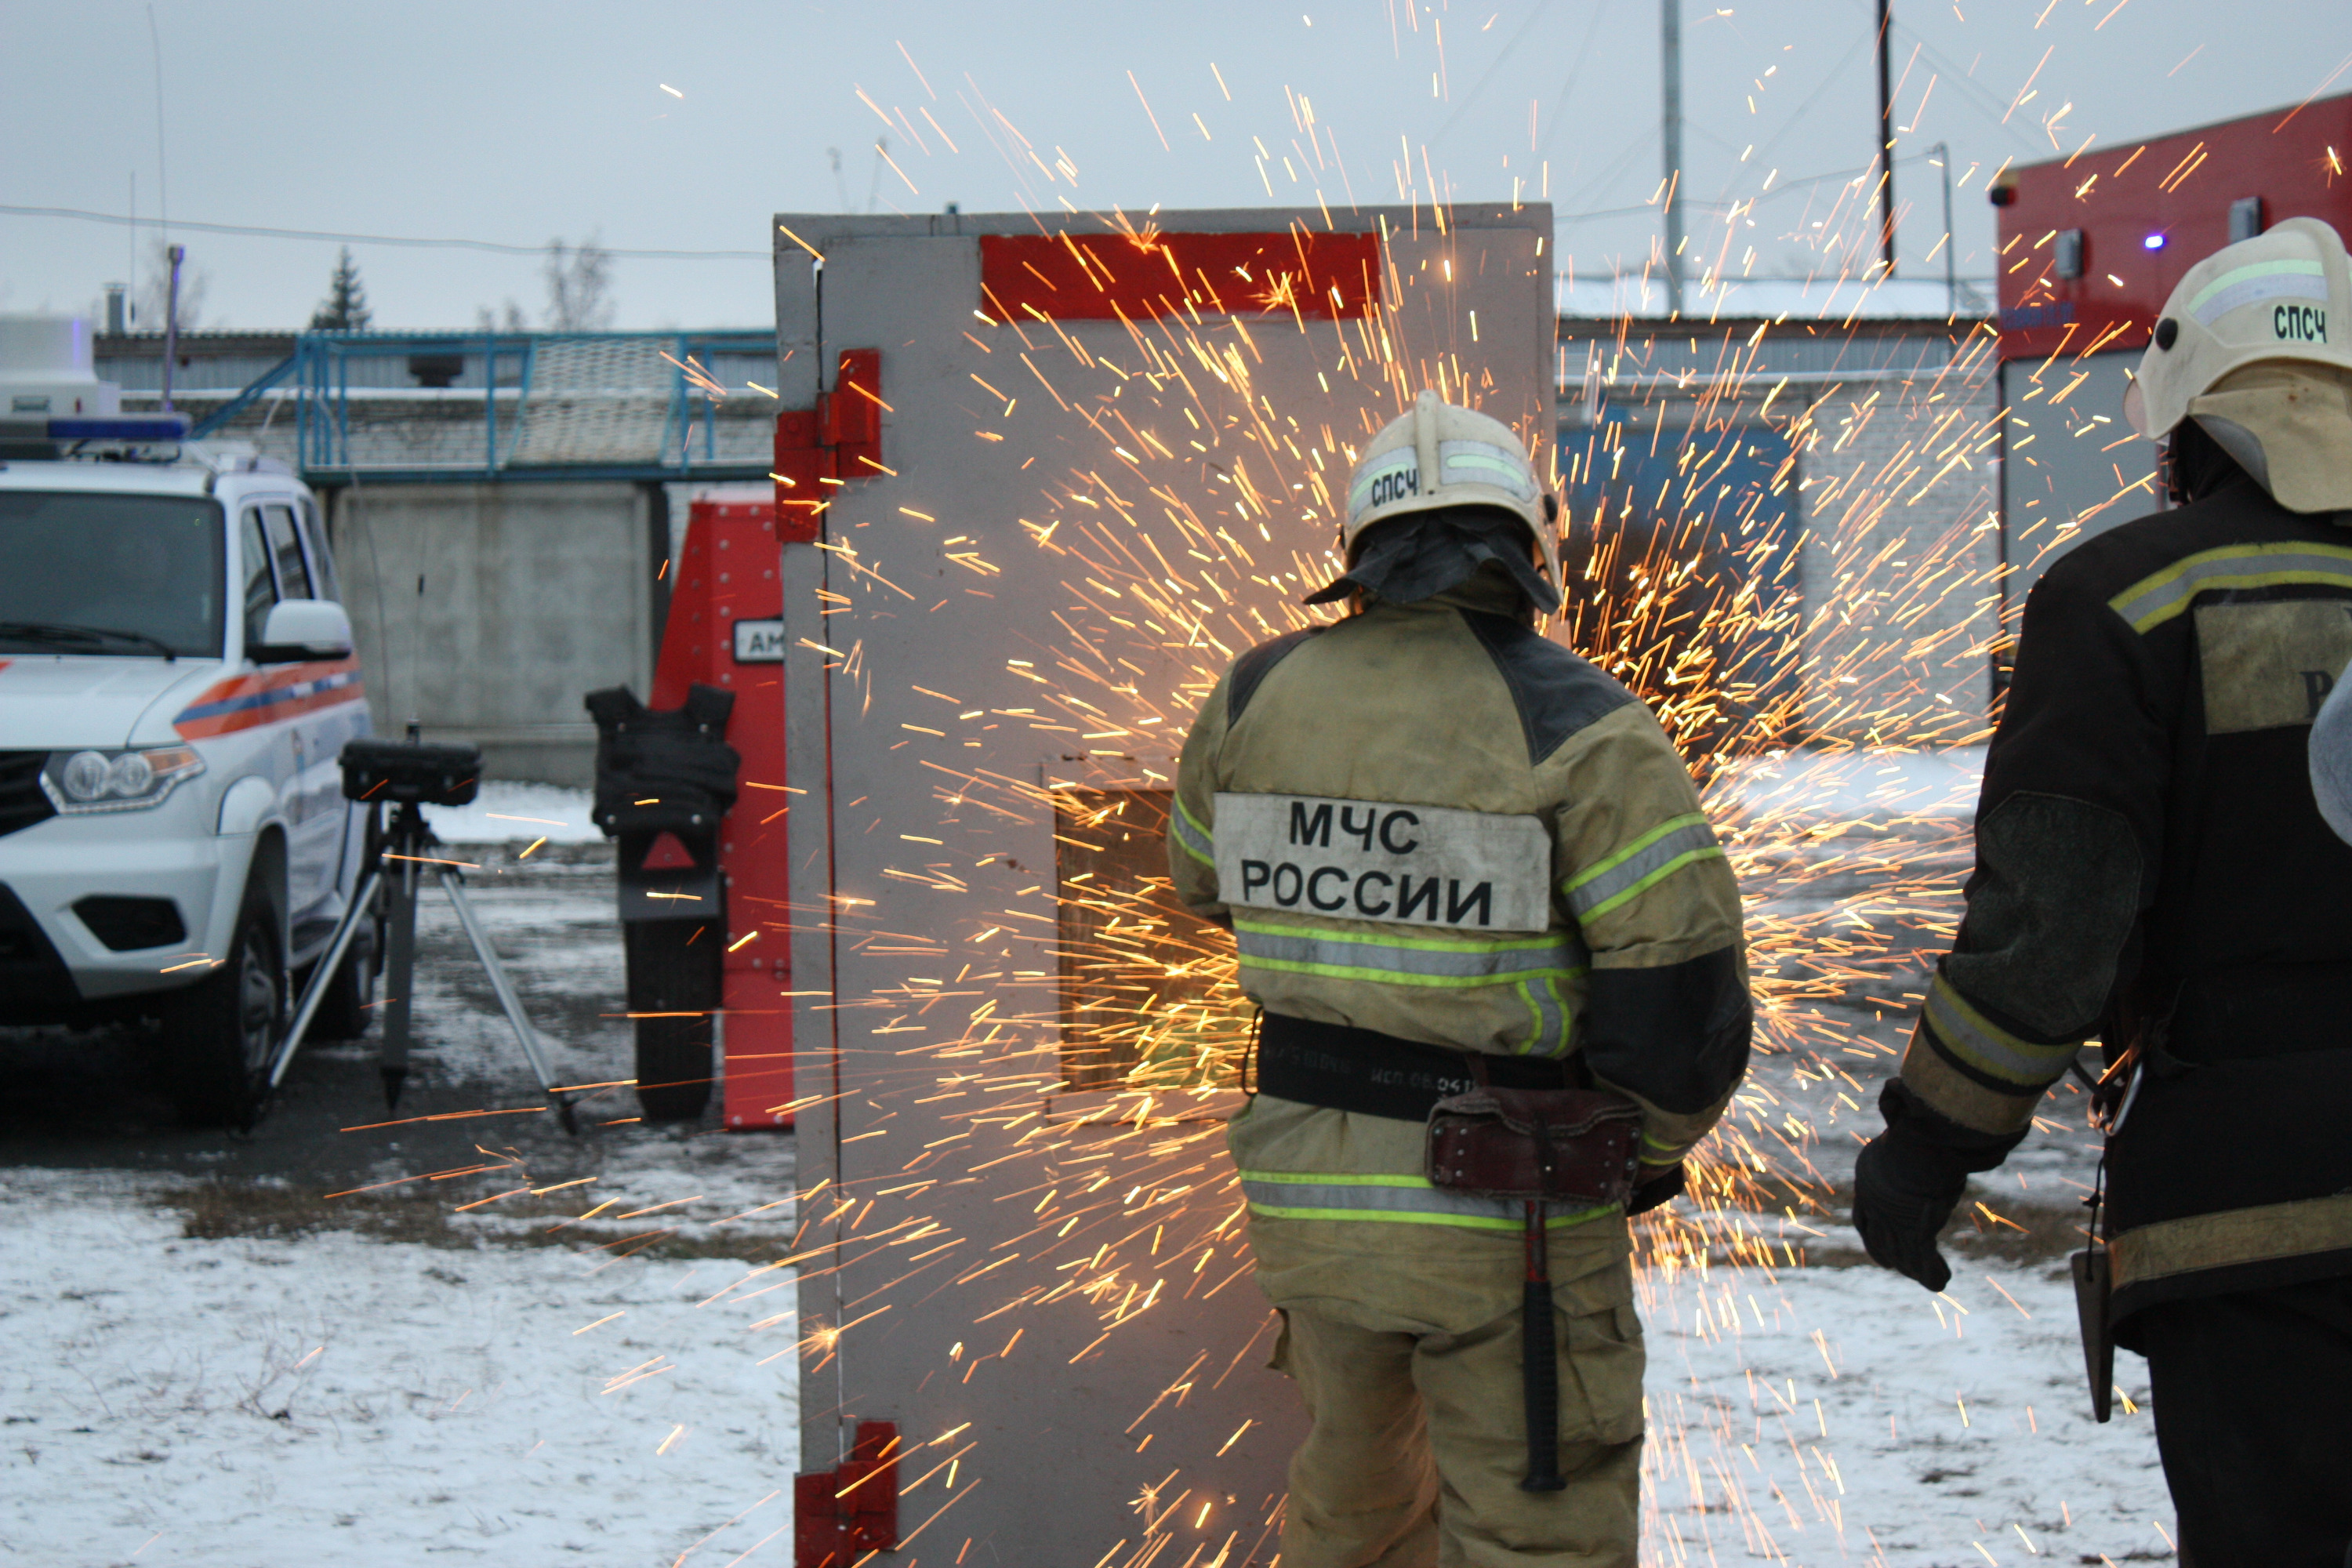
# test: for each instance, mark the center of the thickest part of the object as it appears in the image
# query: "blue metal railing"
(243, 400)
(385, 406)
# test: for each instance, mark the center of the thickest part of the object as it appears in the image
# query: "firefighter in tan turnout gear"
(1444, 843)
(2153, 872)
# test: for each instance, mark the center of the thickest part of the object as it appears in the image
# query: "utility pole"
(1951, 277)
(177, 253)
(1885, 140)
(1670, 41)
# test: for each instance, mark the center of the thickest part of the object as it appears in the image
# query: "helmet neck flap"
(1423, 554)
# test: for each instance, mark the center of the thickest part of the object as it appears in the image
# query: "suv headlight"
(116, 780)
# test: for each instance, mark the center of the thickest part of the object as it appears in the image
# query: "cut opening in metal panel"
(1144, 994)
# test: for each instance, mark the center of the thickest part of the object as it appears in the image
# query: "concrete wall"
(1901, 548)
(486, 610)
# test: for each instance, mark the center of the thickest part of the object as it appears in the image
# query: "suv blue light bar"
(122, 427)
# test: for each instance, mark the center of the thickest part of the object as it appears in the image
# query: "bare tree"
(156, 289)
(510, 319)
(579, 287)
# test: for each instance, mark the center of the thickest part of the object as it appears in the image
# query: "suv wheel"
(219, 1033)
(343, 1011)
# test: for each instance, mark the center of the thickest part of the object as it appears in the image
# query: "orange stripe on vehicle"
(248, 702)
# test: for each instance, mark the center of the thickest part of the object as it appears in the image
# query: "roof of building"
(1642, 296)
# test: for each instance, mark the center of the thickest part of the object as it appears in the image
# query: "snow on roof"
(1776, 298)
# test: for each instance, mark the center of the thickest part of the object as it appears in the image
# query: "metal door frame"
(1048, 1502)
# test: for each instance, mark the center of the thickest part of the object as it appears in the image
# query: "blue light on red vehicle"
(2153, 242)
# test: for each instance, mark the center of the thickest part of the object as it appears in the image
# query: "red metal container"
(726, 629)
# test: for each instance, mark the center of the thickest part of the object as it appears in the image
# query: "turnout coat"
(1513, 860)
(2153, 872)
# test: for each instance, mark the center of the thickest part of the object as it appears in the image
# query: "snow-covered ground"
(518, 813)
(1820, 786)
(428, 1379)
(257, 1402)
(1827, 1416)
(289, 1403)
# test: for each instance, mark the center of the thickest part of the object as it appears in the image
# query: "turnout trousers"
(1401, 1324)
(2251, 1393)
(1418, 1444)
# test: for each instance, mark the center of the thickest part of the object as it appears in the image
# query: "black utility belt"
(1372, 1073)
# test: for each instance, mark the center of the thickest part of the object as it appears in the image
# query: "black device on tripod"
(409, 777)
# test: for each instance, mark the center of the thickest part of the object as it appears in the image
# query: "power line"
(1506, 51)
(413, 242)
(1575, 67)
(408, 241)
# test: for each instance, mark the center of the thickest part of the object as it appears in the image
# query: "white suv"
(176, 680)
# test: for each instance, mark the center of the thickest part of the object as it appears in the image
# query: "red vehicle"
(2091, 247)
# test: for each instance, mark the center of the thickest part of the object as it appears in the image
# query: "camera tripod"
(405, 853)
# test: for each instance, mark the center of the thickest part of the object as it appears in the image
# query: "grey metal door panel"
(1106, 1385)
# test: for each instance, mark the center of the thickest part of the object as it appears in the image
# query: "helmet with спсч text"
(1441, 456)
(2285, 295)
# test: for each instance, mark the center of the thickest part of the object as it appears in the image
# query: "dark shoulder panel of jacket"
(1556, 693)
(1252, 669)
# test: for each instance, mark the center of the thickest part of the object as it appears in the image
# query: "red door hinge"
(819, 449)
(841, 1514)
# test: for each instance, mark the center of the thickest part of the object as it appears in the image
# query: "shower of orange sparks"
(1142, 996)
(1213, 486)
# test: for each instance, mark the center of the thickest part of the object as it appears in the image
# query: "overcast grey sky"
(684, 126)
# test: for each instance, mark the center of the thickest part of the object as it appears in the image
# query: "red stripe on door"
(1323, 276)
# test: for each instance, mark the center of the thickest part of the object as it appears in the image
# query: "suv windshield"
(136, 575)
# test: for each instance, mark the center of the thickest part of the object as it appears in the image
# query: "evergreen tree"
(346, 308)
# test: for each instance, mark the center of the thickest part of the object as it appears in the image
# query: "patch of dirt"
(218, 1211)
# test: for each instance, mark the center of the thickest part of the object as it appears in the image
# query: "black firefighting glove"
(1908, 1180)
(1905, 1189)
(1652, 1191)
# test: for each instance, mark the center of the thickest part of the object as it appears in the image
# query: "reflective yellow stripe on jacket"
(1196, 840)
(1973, 1071)
(1402, 1200)
(1640, 866)
(1534, 965)
(2154, 600)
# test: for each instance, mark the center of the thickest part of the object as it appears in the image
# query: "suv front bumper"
(168, 853)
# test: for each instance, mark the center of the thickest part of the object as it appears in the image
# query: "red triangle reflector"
(667, 854)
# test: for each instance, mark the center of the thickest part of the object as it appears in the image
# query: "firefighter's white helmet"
(1439, 455)
(2284, 295)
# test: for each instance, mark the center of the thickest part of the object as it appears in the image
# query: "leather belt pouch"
(1557, 1145)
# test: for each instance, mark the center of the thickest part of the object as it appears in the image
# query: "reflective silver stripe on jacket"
(1345, 955)
(2156, 599)
(1196, 839)
(1989, 1048)
(1551, 1010)
(1650, 859)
